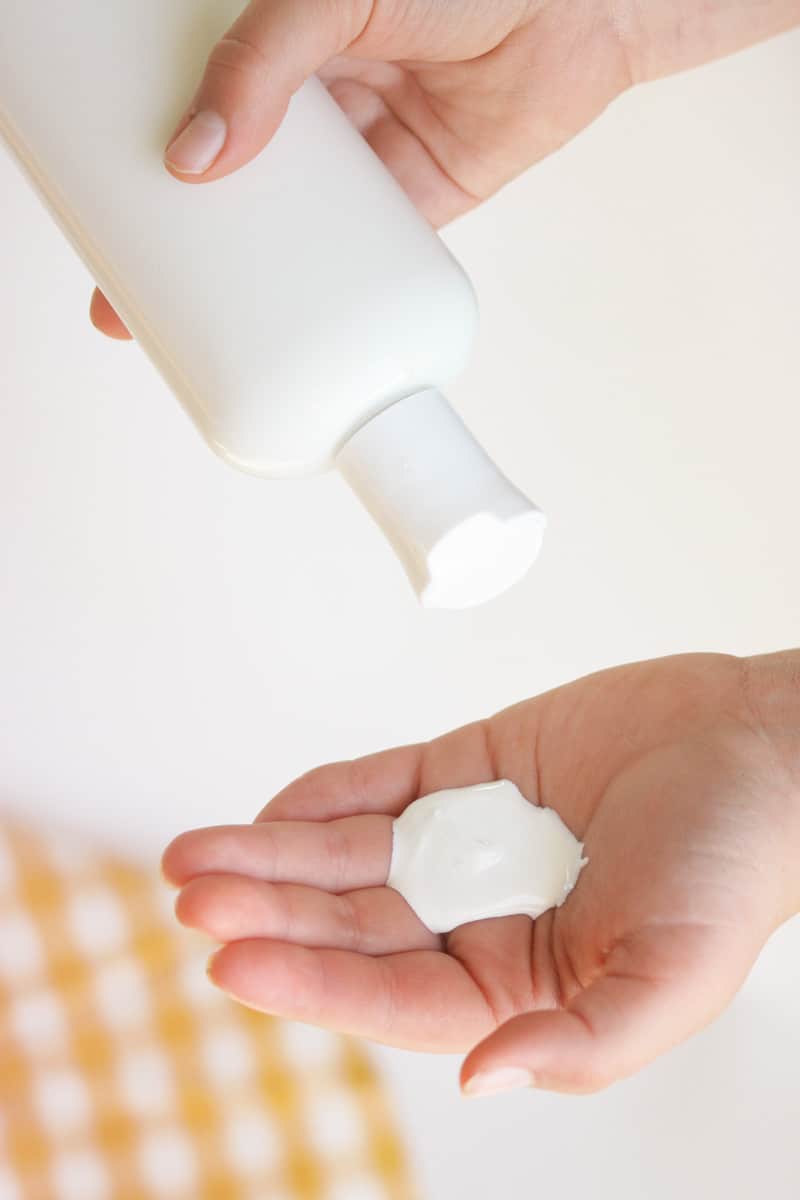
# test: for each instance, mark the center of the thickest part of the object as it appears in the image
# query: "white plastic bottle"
(301, 310)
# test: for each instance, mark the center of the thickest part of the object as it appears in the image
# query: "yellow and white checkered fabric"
(125, 1076)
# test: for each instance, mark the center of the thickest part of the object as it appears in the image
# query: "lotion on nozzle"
(302, 311)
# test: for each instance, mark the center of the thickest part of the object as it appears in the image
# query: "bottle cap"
(463, 532)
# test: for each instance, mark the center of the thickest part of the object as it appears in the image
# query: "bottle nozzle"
(463, 532)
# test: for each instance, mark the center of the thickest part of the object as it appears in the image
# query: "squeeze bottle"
(302, 311)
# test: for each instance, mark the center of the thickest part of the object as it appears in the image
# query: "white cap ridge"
(463, 532)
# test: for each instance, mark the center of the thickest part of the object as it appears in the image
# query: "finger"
(403, 147)
(380, 783)
(370, 921)
(613, 1028)
(251, 74)
(388, 782)
(340, 856)
(510, 960)
(421, 1000)
(606, 1036)
(104, 318)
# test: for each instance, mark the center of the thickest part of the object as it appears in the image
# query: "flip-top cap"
(463, 532)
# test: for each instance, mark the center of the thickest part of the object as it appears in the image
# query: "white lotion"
(468, 853)
(301, 309)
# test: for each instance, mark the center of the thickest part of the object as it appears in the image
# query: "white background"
(177, 641)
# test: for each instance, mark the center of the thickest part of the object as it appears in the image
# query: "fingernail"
(194, 149)
(504, 1079)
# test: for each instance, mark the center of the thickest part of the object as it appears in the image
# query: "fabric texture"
(124, 1075)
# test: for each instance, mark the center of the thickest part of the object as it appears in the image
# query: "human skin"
(456, 96)
(681, 776)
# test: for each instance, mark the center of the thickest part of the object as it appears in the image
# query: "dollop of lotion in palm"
(468, 853)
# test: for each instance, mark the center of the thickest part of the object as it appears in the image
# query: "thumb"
(610, 1030)
(608, 1033)
(251, 74)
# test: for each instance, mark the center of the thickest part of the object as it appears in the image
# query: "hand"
(682, 777)
(457, 98)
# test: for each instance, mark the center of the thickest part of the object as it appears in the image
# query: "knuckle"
(339, 851)
(288, 927)
(351, 924)
(391, 1001)
(237, 55)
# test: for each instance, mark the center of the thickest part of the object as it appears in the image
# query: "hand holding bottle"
(457, 99)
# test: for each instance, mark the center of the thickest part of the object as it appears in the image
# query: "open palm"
(687, 809)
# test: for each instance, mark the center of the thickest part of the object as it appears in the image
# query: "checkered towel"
(125, 1076)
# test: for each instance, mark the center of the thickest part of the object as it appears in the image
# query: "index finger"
(385, 782)
(336, 856)
(106, 319)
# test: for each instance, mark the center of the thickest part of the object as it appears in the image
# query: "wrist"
(661, 39)
(772, 693)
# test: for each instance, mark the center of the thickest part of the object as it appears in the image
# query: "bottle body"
(286, 304)
(301, 309)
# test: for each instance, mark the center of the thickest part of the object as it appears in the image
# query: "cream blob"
(468, 853)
